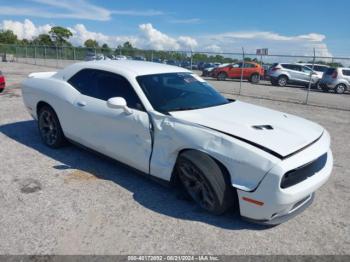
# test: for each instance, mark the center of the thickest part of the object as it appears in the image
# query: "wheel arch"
(283, 75)
(253, 74)
(174, 179)
(40, 105)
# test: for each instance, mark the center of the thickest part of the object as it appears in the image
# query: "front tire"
(222, 76)
(205, 182)
(50, 128)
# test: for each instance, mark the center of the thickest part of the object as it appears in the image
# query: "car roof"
(311, 64)
(128, 68)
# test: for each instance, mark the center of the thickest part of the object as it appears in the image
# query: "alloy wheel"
(48, 128)
(196, 185)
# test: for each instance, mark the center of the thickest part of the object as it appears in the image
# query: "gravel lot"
(70, 201)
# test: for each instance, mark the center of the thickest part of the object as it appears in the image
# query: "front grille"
(299, 174)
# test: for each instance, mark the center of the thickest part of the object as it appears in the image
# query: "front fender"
(246, 164)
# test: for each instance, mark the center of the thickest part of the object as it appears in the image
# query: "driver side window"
(105, 85)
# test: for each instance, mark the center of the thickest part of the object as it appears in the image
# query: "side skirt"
(139, 172)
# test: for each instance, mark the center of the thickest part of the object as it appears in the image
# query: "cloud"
(213, 48)
(26, 29)
(77, 9)
(187, 42)
(278, 44)
(81, 34)
(271, 36)
(149, 37)
(185, 21)
(150, 12)
(154, 39)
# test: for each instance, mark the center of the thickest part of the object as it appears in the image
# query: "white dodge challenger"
(172, 125)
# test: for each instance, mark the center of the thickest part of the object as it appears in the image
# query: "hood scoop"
(263, 127)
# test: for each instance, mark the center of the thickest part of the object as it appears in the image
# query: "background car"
(173, 62)
(139, 58)
(282, 74)
(317, 68)
(251, 71)
(208, 68)
(266, 71)
(157, 60)
(337, 79)
(120, 57)
(2, 82)
(92, 57)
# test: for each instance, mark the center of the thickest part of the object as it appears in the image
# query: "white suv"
(337, 79)
(283, 74)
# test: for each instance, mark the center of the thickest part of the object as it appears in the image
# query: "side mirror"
(119, 103)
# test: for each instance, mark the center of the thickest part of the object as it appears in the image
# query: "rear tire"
(205, 182)
(254, 78)
(222, 76)
(50, 129)
(340, 89)
(282, 81)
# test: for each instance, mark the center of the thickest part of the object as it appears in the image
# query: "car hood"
(279, 133)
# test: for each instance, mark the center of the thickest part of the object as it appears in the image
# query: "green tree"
(60, 35)
(90, 43)
(127, 45)
(43, 39)
(8, 37)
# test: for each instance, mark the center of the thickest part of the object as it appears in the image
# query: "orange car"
(251, 71)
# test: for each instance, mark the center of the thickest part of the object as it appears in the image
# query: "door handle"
(81, 103)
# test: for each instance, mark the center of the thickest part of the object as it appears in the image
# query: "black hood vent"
(263, 127)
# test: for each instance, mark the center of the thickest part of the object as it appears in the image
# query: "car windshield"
(179, 91)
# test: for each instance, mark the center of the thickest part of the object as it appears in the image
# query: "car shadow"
(164, 200)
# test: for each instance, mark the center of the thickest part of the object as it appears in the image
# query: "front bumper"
(276, 204)
(299, 208)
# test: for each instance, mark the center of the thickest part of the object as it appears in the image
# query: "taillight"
(335, 74)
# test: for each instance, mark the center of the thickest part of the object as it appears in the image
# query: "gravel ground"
(70, 201)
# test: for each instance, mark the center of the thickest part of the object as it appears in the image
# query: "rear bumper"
(273, 204)
(330, 85)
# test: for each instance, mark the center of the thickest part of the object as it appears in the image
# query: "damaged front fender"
(246, 164)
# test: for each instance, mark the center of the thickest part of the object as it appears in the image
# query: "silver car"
(337, 79)
(282, 74)
(318, 68)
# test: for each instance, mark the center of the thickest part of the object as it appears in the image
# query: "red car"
(251, 71)
(2, 82)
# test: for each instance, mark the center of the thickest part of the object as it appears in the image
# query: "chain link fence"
(239, 85)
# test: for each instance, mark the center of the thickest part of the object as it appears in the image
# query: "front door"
(113, 132)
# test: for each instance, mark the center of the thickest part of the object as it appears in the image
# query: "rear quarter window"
(82, 80)
(346, 72)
